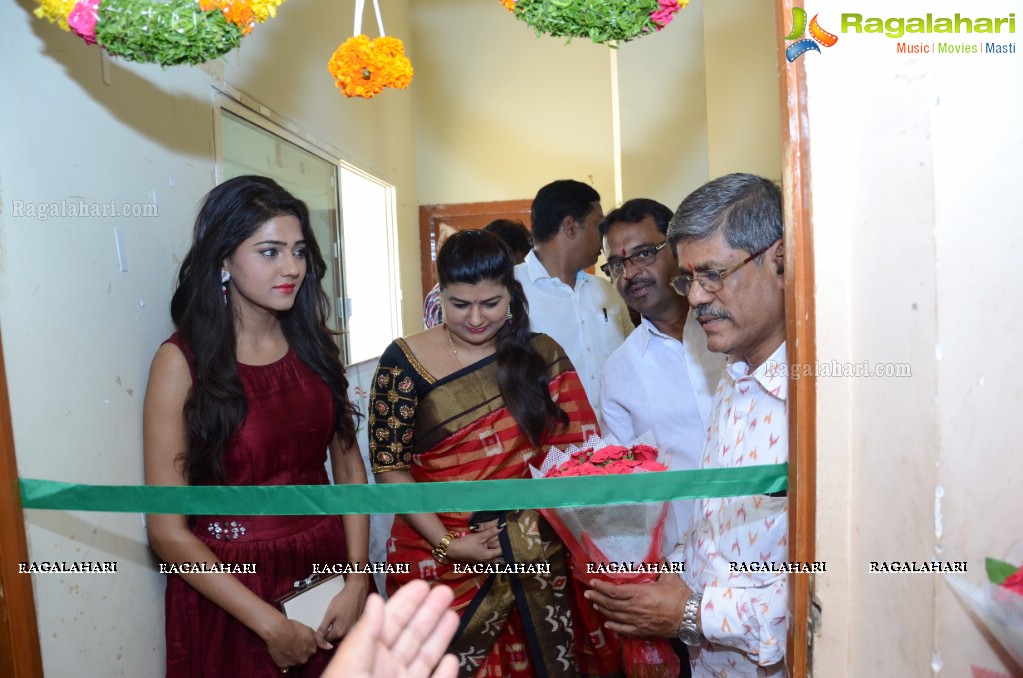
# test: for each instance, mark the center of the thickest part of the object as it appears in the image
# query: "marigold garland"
(264, 9)
(363, 68)
(55, 11)
(166, 32)
(602, 21)
(237, 12)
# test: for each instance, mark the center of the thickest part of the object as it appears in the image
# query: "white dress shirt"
(743, 614)
(655, 383)
(589, 320)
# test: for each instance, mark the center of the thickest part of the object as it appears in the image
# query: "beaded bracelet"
(440, 551)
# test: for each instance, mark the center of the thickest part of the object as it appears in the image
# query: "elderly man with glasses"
(730, 605)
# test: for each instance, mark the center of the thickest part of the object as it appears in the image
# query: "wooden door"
(19, 639)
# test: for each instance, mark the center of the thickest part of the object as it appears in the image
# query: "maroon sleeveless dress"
(283, 441)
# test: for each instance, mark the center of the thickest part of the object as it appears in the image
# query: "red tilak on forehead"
(623, 251)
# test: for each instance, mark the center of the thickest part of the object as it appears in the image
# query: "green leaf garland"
(599, 20)
(167, 33)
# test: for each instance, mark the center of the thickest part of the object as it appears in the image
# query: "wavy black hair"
(216, 404)
(471, 257)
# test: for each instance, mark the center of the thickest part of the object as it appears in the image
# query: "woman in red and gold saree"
(444, 408)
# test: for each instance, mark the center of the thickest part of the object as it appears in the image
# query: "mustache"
(636, 281)
(710, 311)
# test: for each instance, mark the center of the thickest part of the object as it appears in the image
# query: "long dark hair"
(216, 404)
(471, 257)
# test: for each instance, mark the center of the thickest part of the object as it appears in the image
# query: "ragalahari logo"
(801, 47)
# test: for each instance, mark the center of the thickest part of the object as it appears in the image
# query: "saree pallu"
(513, 625)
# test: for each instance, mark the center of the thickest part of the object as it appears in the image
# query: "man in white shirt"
(582, 312)
(728, 239)
(662, 379)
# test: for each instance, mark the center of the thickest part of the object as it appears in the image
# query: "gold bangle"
(440, 551)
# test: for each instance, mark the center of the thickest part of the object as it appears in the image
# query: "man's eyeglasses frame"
(685, 282)
(609, 268)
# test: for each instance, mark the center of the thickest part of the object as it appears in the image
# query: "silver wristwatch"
(688, 633)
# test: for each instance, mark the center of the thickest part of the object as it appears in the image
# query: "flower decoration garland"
(363, 68)
(167, 32)
(602, 21)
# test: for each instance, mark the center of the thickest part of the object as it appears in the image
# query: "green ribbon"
(482, 495)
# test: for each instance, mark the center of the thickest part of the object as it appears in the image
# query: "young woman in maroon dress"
(250, 390)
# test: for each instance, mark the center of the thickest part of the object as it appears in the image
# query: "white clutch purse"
(308, 602)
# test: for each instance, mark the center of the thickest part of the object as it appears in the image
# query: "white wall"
(743, 106)
(500, 112)
(78, 333)
(915, 168)
(665, 110)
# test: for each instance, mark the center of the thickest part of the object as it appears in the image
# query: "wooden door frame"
(20, 656)
(800, 333)
(479, 213)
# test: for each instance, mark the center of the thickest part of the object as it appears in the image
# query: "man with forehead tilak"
(727, 236)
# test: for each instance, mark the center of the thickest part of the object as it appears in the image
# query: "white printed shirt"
(657, 384)
(589, 321)
(744, 614)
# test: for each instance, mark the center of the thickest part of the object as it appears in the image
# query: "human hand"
(292, 643)
(653, 609)
(481, 546)
(344, 609)
(403, 638)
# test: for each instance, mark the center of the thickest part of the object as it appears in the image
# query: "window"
(371, 264)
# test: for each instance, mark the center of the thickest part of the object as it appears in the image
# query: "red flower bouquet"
(999, 604)
(619, 543)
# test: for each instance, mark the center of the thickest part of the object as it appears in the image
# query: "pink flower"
(1014, 582)
(82, 20)
(663, 16)
(653, 466)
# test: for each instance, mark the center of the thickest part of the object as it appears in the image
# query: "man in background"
(582, 312)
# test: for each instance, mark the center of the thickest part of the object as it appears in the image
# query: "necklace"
(452, 345)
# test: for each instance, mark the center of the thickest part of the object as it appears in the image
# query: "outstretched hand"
(404, 638)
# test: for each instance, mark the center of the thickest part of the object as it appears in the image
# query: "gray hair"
(745, 208)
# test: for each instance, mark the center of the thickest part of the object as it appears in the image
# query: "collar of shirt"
(536, 271)
(647, 328)
(770, 375)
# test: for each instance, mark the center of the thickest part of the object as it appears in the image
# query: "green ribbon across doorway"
(483, 495)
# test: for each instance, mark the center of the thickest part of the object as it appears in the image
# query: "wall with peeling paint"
(915, 171)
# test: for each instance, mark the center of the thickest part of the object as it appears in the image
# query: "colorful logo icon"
(801, 47)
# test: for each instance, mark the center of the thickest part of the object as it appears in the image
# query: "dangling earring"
(224, 278)
(509, 315)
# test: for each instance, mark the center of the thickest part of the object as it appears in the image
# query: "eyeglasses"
(615, 268)
(711, 281)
